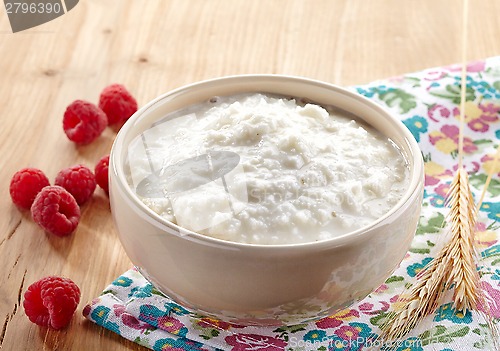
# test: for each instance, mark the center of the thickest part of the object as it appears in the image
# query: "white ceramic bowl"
(264, 284)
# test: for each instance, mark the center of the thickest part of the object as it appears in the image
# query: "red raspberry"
(79, 181)
(51, 301)
(56, 210)
(83, 122)
(117, 103)
(25, 185)
(101, 173)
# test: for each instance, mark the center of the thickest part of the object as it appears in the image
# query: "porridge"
(265, 169)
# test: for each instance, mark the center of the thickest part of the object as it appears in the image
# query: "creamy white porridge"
(266, 170)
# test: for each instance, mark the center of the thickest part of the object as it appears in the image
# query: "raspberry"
(25, 185)
(56, 210)
(51, 301)
(117, 103)
(101, 173)
(79, 181)
(83, 122)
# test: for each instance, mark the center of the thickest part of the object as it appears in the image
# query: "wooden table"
(151, 47)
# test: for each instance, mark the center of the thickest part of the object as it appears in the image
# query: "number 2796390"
(40, 7)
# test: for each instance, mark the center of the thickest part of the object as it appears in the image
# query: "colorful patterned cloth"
(427, 103)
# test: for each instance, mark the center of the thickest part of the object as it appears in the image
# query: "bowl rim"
(414, 189)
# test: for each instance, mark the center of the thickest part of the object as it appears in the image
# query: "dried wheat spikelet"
(420, 301)
(463, 268)
(455, 265)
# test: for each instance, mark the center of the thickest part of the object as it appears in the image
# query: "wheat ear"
(461, 219)
(454, 266)
(421, 300)
(464, 275)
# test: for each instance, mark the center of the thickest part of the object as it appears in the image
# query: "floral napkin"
(427, 103)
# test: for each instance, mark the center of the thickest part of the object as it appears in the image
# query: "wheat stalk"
(491, 172)
(464, 275)
(420, 301)
(455, 266)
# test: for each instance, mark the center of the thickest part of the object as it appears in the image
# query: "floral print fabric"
(428, 104)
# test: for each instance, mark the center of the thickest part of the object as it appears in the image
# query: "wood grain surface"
(154, 46)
